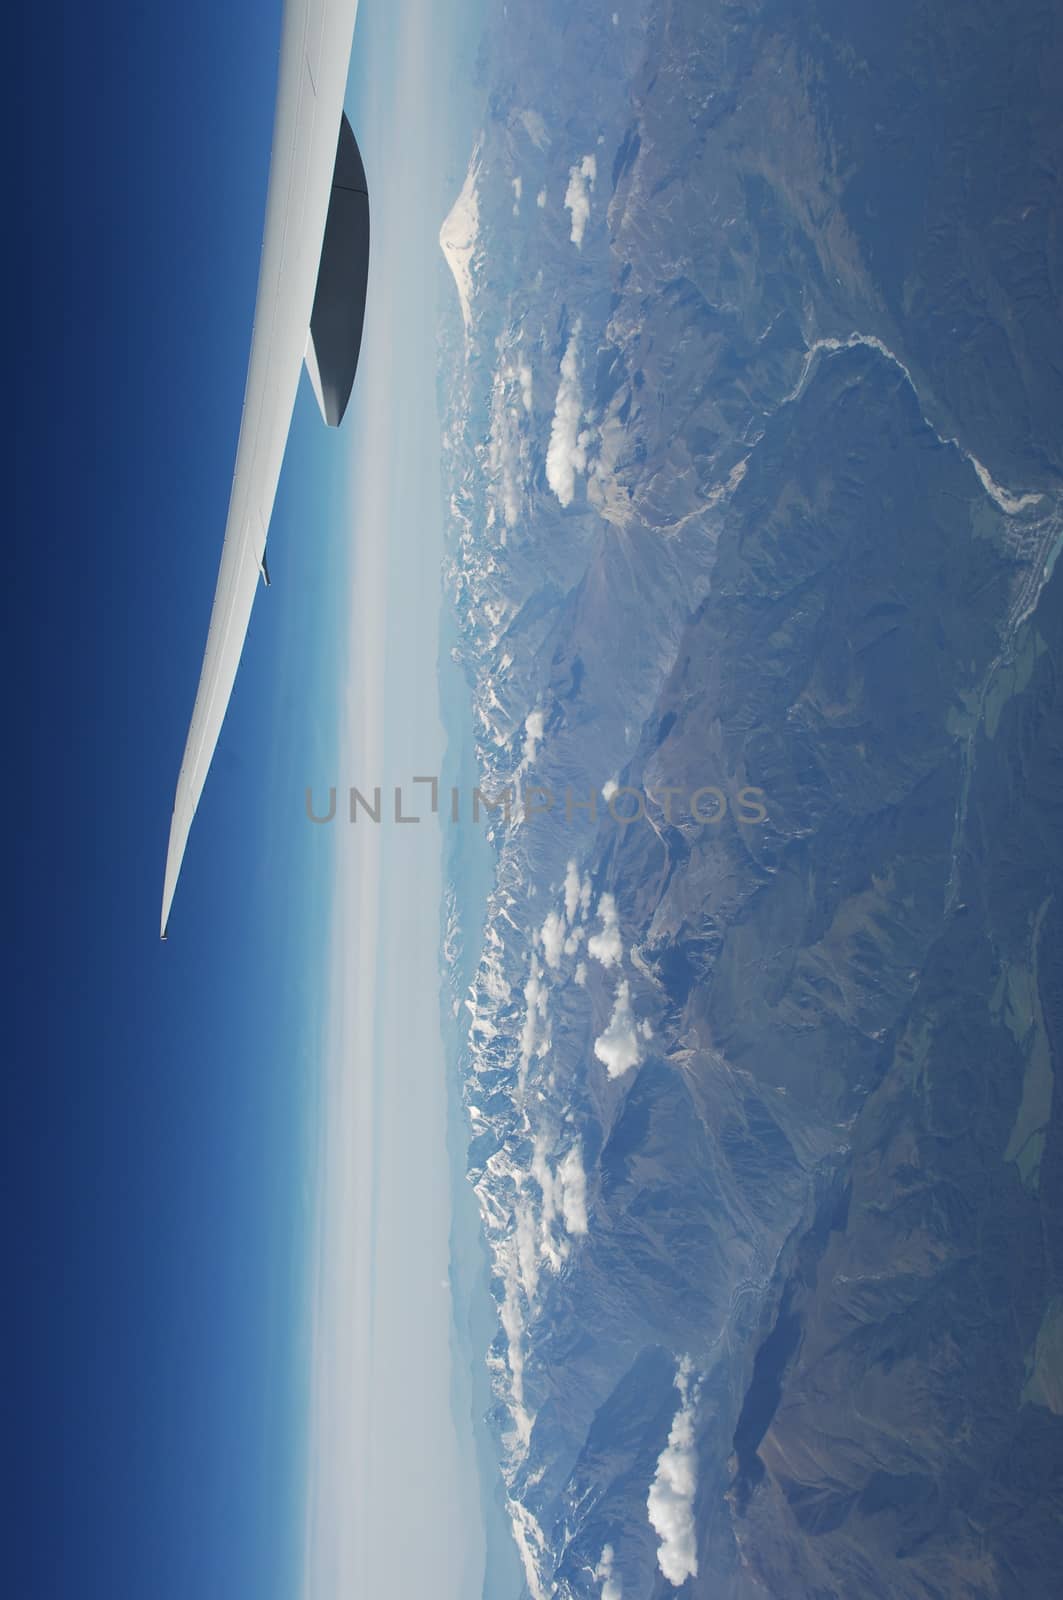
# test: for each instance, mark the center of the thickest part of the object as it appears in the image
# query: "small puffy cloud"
(607, 946)
(670, 1502)
(574, 940)
(540, 199)
(524, 375)
(581, 973)
(566, 454)
(571, 891)
(573, 1181)
(534, 727)
(609, 788)
(518, 187)
(581, 181)
(618, 1048)
(605, 1572)
(553, 938)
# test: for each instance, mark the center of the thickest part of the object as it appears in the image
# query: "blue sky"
(164, 1097)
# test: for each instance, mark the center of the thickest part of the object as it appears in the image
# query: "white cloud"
(540, 199)
(533, 1040)
(605, 1572)
(574, 940)
(581, 973)
(534, 727)
(518, 187)
(607, 946)
(581, 181)
(670, 1502)
(527, 1255)
(573, 1182)
(618, 1048)
(571, 891)
(524, 374)
(609, 788)
(543, 1176)
(566, 454)
(553, 938)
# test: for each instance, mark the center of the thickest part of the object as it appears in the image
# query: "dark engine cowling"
(339, 299)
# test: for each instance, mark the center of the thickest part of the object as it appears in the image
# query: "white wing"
(315, 55)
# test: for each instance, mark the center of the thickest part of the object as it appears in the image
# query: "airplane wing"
(315, 54)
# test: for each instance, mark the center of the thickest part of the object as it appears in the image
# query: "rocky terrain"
(752, 395)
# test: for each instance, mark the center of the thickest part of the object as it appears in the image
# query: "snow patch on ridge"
(459, 235)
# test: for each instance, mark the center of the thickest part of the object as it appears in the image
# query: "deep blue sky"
(158, 1093)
